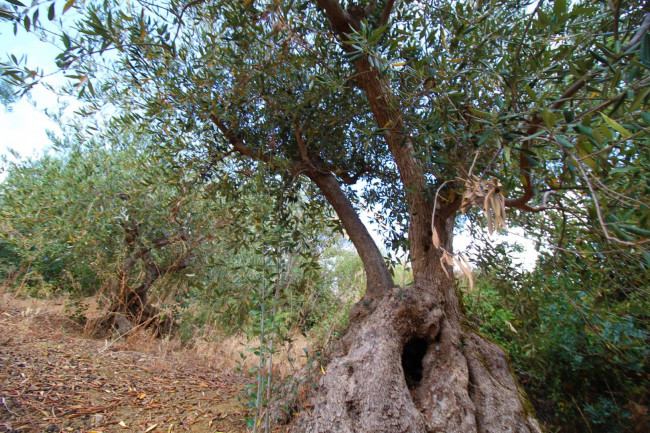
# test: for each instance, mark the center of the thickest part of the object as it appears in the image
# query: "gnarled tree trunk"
(130, 306)
(411, 362)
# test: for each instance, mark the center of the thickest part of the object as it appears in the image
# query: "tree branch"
(345, 176)
(388, 116)
(522, 201)
(573, 89)
(341, 21)
(180, 16)
(378, 279)
(294, 167)
(385, 15)
(384, 107)
(238, 144)
(643, 29)
(599, 213)
(317, 163)
(525, 169)
(302, 146)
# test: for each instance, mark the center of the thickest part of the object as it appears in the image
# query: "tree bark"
(415, 364)
(412, 362)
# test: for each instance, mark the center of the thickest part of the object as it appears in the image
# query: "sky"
(23, 127)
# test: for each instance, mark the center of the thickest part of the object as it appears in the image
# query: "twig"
(528, 24)
(435, 203)
(487, 167)
(4, 403)
(610, 146)
(471, 168)
(599, 213)
(618, 194)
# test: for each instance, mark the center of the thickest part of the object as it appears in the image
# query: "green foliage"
(577, 329)
(343, 284)
(65, 217)
(43, 237)
(596, 331)
(7, 96)
(563, 87)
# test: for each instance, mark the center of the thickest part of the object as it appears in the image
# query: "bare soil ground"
(53, 379)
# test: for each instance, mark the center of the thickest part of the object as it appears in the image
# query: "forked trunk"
(131, 308)
(133, 301)
(412, 363)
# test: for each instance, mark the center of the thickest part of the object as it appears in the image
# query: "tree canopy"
(542, 98)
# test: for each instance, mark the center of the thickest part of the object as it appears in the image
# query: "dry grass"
(211, 350)
(48, 314)
(56, 379)
(225, 354)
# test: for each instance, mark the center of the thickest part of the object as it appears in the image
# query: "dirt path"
(54, 380)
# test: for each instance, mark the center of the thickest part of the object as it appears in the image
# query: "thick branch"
(341, 21)
(378, 277)
(377, 273)
(385, 109)
(388, 116)
(388, 8)
(238, 144)
(525, 169)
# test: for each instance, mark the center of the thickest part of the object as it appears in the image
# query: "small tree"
(98, 215)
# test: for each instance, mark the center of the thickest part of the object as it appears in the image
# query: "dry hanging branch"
(488, 196)
(463, 264)
(446, 259)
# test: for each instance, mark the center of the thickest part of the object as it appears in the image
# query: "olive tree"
(93, 218)
(418, 110)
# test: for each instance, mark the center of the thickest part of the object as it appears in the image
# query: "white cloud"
(24, 127)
